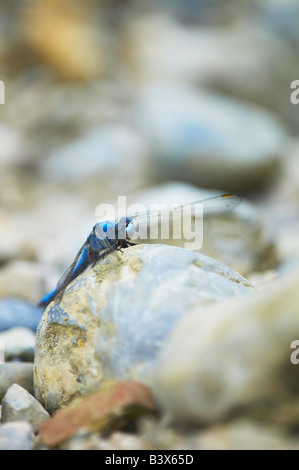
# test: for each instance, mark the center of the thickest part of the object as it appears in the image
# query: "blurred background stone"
(103, 151)
(13, 147)
(19, 343)
(20, 373)
(208, 139)
(17, 312)
(17, 435)
(60, 34)
(218, 58)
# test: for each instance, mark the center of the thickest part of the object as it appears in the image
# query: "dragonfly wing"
(151, 221)
(212, 205)
(78, 265)
(85, 257)
(221, 203)
(76, 268)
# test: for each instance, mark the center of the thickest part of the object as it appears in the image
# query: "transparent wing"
(69, 275)
(84, 258)
(156, 219)
(212, 205)
(215, 204)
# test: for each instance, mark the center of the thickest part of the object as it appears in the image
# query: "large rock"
(114, 319)
(240, 357)
(208, 139)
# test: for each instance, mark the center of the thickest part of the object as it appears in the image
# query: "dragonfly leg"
(125, 244)
(129, 244)
(98, 257)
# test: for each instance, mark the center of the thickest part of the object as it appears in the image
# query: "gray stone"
(114, 319)
(222, 58)
(282, 18)
(209, 139)
(16, 436)
(17, 312)
(20, 405)
(237, 358)
(16, 372)
(21, 279)
(18, 343)
(100, 152)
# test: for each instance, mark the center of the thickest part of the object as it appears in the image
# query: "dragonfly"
(108, 236)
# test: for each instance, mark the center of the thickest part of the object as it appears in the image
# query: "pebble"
(114, 319)
(113, 406)
(18, 343)
(16, 312)
(20, 373)
(100, 152)
(20, 405)
(17, 435)
(22, 279)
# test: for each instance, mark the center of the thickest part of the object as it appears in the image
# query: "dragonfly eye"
(129, 230)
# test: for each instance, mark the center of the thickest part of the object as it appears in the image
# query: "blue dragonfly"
(108, 236)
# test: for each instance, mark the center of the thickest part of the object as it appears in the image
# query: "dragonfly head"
(125, 228)
(105, 229)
